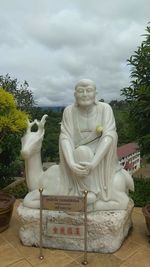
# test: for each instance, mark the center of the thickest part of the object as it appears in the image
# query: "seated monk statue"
(88, 146)
(88, 154)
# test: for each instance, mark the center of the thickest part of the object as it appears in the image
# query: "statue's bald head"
(85, 82)
(85, 92)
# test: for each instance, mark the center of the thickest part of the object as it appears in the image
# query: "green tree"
(12, 124)
(138, 93)
(125, 130)
(24, 97)
(50, 149)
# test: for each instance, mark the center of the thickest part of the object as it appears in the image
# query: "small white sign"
(63, 230)
(63, 203)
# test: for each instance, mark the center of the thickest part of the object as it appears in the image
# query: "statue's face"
(85, 95)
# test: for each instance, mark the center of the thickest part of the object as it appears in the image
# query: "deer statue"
(36, 177)
(52, 180)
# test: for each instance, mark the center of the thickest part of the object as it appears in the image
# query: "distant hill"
(54, 109)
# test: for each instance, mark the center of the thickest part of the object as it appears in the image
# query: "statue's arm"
(67, 145)
(106, 140)
(102, 149)
(67, 150)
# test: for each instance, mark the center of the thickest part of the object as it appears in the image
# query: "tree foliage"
(51, 141)
(12, 124)
(50, 147)
(138, 93)
(12, 120)
(23, 96)
(124, 126)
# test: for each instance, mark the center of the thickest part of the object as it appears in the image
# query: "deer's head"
(32, 141)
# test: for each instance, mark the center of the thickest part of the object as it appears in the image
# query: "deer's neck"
(34, 171)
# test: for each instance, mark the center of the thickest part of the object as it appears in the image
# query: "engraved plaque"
(63, 203)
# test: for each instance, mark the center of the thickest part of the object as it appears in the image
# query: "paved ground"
(135, 252)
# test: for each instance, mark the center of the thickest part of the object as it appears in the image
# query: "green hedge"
(18, 191)
(141, 195)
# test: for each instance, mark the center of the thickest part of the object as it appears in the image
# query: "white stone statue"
(88, 156)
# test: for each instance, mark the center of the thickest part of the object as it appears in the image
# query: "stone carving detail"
(106, 229)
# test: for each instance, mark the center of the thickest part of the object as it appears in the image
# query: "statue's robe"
(99, 181)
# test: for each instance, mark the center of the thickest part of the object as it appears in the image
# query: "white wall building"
(129, 157)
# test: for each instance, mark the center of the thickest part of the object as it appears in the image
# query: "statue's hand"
(88, 166)
(79, 169)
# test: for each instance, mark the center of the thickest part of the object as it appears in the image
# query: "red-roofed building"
(129, 157)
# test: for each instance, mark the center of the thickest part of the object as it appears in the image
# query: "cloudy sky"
(52, 44)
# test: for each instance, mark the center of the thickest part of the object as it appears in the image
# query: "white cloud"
(54, 44)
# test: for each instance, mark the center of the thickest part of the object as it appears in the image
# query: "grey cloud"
(66, 28)
(52, 45)
(10, 34)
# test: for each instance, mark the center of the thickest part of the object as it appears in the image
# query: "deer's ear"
(43, 120)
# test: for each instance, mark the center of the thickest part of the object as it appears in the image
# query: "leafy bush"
(12, 124)
(18, 191)
(22, 94)
(141, 196)
(12, 120)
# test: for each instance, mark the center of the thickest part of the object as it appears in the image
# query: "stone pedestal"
(106, 229)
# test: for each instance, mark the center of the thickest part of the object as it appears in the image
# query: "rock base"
(106, 229)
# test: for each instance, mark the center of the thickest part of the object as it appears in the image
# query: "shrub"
(12, 124)
(18, 191)
(141, 196)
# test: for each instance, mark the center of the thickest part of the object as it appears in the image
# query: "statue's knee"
(83, 153)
